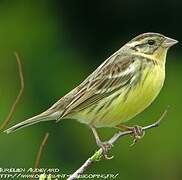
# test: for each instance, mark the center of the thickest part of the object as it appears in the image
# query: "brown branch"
(99, 153)
(37, 161)
(13, 108)
(39, 153)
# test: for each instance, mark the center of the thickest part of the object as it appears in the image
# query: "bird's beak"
(168, 42)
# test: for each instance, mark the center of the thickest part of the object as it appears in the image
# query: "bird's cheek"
(161, 54)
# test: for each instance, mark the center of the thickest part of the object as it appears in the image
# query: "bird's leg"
(104, 145)
(137, 132)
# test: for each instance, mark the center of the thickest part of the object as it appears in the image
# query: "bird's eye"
(151, 42)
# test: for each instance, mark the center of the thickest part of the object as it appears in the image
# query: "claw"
(106, 157)
(137, 133)
(105, 147)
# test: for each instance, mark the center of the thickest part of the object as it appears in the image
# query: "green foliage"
(97, 156)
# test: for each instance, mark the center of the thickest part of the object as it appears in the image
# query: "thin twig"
(155, 124)
(13, 108)
(39, 154)
(37, 161)
(99, 153)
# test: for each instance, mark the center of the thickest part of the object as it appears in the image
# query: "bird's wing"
(108, 78)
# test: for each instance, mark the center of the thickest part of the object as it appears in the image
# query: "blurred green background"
(60, 43)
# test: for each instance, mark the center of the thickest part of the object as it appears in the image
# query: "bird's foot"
(105, 146)
(137, 133)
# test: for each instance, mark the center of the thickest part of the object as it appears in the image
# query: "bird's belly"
(126, 103)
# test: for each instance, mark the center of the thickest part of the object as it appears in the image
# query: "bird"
(123, 86)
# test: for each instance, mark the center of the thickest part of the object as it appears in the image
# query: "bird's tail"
(45, 116)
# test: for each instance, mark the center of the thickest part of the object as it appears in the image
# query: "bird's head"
(152, 45)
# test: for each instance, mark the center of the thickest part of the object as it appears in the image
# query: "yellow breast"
(138, 98)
